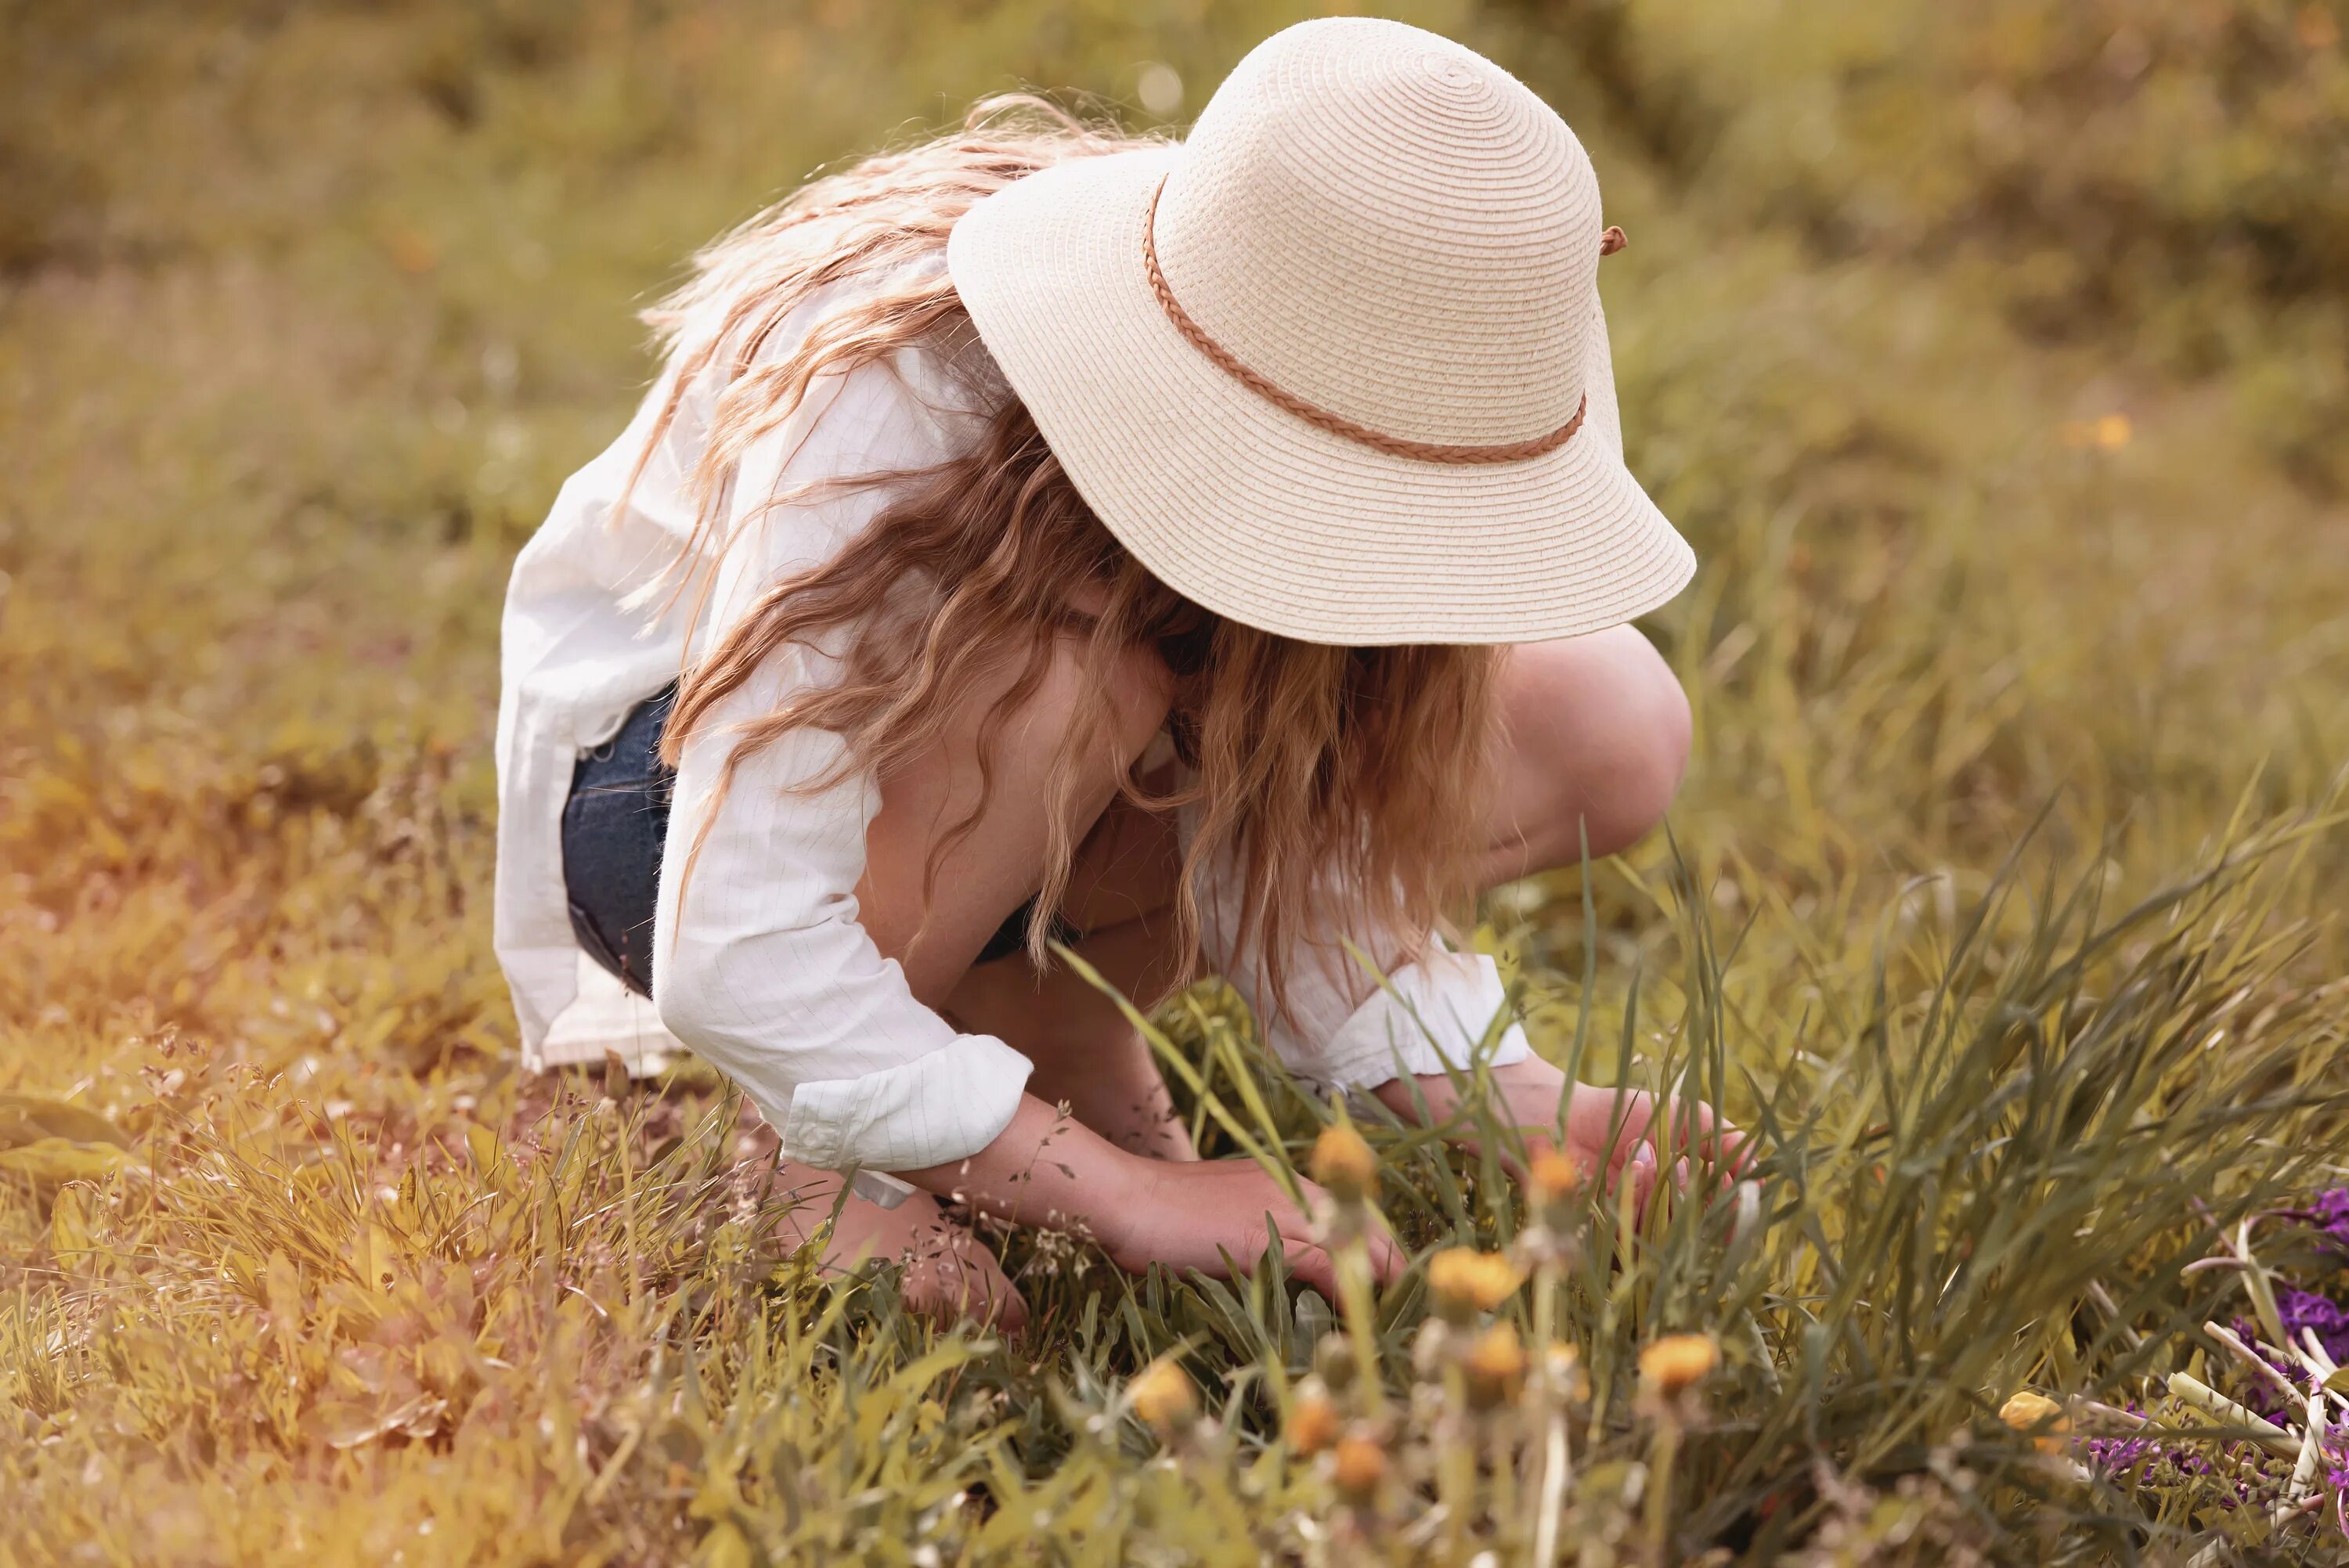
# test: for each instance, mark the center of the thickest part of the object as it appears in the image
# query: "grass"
(2004, 895)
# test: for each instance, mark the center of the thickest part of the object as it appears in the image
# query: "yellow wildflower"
(1495, 1366)
(2107, 432)
(1466, 1282)
(2030, 1412)
(1679, 1361)
(1551, 1175)
(1344, 1164)
(1312, 1423)
(1360, 1465)
(1162, 1395)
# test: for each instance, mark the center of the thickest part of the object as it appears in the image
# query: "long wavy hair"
(1346, 781)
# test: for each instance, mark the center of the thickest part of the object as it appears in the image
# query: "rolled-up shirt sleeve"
(1349, 1023)
(761, 965)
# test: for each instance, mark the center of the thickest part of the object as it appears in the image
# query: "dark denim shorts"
(614, 827)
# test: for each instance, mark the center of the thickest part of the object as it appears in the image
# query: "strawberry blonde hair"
(1347, 781)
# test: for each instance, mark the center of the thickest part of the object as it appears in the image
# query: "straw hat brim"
(1258, 514)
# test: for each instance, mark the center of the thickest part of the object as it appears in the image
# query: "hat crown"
(1390, 227)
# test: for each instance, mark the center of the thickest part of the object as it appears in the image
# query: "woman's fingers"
(1614, 1127)
(1688, 1128)
(1633, 1136)
(1312, 1264)
(1387, 1260)
(1700, 1133)
(1219, 1216)
(1638, 1180)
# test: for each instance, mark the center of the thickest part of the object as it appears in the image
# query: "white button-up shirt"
(763, 969)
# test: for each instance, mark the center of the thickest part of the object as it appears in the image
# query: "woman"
(1215, 556)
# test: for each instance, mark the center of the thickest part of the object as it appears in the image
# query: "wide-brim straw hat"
(1335, 366)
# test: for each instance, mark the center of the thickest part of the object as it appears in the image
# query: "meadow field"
(1994, 358)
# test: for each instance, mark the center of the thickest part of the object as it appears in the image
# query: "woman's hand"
(1626, 1154)
(1650, 1133)
(1048, 1170)
(1195, 1213)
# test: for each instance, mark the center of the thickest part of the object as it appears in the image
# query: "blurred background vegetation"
(1993, 356)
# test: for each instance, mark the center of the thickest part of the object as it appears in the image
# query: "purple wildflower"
(2257, 1394)
(2305, 1309)
(2146, 1455)
(2118, 1455)
(2330, 1213)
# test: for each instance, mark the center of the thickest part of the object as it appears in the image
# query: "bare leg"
(1594, 735)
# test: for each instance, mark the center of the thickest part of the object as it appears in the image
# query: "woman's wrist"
(1531, 1091)
(1046, 1169)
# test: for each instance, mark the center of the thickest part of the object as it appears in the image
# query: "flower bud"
(1678, 1362)
(1466, 1282)
(2030, 1412)
(1312, 1422)
(1495, 1366)
(1359, 1466)
(1562, 1373)
(1333, 1359)
(1551, 1175)
(1163, 1396)
(1344, 1164)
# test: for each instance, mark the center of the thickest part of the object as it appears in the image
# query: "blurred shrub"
(2166, 175)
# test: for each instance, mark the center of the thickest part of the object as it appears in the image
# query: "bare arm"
(1048, 1170)
(1530, 1094)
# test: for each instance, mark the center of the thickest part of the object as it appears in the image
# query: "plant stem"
(1660, 1461)
(1547, 1418)
(1355, 1300)
(2266, 1433)
(1556, 1467)
(1455, 1466)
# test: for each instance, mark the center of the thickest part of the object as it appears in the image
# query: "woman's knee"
(1596, 737)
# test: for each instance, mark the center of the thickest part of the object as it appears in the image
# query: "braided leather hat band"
(1338, 424)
